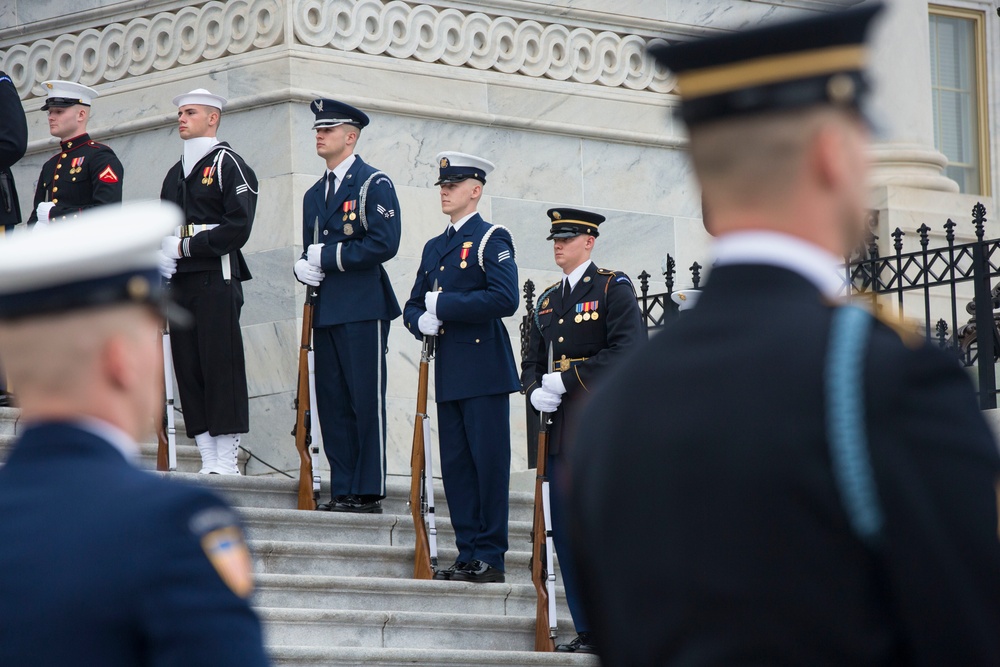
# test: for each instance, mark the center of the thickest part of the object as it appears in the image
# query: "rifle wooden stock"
(303, 403)
(539, 559)
(422, 550)
(162, 445)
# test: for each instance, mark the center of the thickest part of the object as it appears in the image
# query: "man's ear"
(116, 358)
(477, 191)
(828, 157)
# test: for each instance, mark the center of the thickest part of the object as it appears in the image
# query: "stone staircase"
(335, 589)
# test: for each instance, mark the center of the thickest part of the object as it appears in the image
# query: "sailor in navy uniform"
(718, 519)
(217, 191)
(13, 144)
(350, 228)
(140, 570)
(84, 173)
(590, 319)
(473, 265)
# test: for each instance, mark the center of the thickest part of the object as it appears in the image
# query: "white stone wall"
(557, 94)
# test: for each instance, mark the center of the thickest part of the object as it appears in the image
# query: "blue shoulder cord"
(845, 422)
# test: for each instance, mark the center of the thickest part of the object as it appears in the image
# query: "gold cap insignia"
(840, 88)
(556, 215)
(137, 288)
(445, 163)
(49, 86)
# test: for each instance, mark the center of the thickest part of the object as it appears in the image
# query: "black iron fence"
(925, 289)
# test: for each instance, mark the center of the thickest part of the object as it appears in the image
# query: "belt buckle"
(187, 231)
(563, 364)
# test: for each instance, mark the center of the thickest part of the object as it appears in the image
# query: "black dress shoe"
(328, 507)
(479, 572)
(584, 643)
(446, 574)
(355, 504)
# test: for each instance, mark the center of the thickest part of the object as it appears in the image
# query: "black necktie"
(451, 232)
(566, 290)
(331, 188)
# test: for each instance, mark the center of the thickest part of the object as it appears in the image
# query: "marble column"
(905, 155)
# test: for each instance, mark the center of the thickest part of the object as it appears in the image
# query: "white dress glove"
(168, 265)
(553, 383)
(171, 247)
(545, 401)
(43, 211)
(314, 253)
(308, 274)
(429, 325)
(431, 303)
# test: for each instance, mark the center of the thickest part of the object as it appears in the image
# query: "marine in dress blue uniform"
(84, 173)
(350, 228)
(714, 524)
(591, 320)
(217, 191)
(140, 570)
(473, 265)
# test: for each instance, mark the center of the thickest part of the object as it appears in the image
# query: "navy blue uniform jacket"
(356, 287)
(714, 436)
(101, 563)
(13, 143)
(473, 356)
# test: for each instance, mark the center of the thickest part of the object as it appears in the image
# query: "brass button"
(560, 320)
(55, 189)
(59, 166)
(69, 144)
(442, 268)
(477, 340)
(560, 339)
(63, 155)
(74, 178)
(56, 177)
(55, 201)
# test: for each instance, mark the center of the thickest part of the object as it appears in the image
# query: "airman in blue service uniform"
(590, 319)
(84, 173)
(138, 569)
(350, 227)
(778, 478)
(473, 265)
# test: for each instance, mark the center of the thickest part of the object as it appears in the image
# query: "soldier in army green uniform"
(590, 318)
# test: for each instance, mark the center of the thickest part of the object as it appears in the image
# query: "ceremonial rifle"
(543, 573)
(422, 474)
(307, 430)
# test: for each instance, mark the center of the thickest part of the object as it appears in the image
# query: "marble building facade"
(558, 94)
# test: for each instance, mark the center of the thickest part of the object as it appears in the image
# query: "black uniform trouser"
(208, 356)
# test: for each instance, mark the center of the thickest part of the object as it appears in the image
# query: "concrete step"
(281, 492)
(288, 656)
(398, 629)
(376, 594)
(350, 560)
(344, 528)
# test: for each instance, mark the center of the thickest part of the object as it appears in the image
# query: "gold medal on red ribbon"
(347, 207)
(465, 255)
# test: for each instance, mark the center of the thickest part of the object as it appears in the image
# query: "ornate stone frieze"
(480, 41)
(147, 44)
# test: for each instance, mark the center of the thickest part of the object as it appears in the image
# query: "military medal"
(206, 175)
(347, 207)
(354, 204)
(579, 316)
(586, 311)
(75, 165)
(465, 254)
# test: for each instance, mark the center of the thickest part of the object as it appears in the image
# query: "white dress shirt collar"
(813, 263)
(114, 436)
(461, 221)
(340, 171)
(574, 276)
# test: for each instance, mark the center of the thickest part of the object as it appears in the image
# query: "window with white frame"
(958, 83)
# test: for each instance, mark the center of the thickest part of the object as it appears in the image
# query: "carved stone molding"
(480, 41)
(143, 45)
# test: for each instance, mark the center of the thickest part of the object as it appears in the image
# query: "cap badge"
(445, 163)
(49, 86)
(840, 89)
(556, 215)
(137, 288)
(319, 106)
